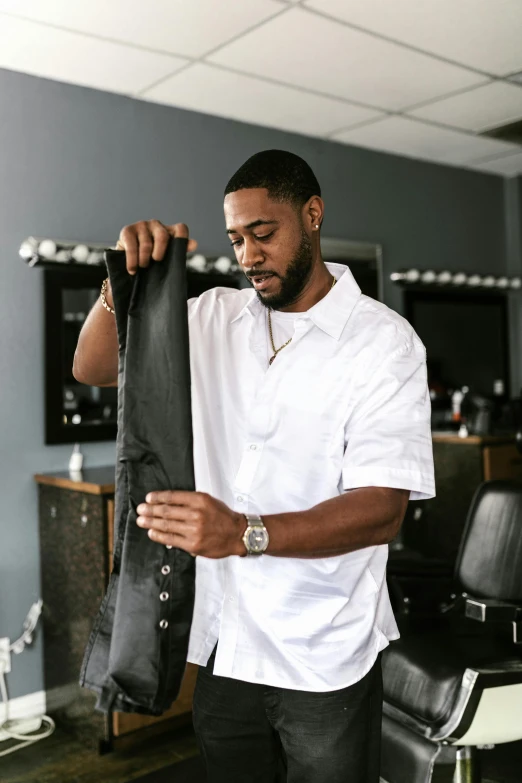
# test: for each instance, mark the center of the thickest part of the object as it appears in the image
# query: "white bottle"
(76, 461)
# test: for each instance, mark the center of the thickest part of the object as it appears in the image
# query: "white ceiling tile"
(483, 34)
(185, 28)
(509, 166)
(490, 106)
(304, 49)
(69, 57)
(415, 139)
(212, 90)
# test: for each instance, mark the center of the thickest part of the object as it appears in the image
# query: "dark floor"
(63, 758)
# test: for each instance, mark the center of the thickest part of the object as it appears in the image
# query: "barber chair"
(458, 685)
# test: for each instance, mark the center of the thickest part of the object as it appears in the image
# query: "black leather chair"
(458, 684)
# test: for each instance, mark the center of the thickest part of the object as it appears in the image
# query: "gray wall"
(79, 164)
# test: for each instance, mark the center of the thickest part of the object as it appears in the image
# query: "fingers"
(153, 514)
(148, 240)
(129, 242)
(168, 539)
(145, 245)
(181, 230)
(160, 237)
(177, 497)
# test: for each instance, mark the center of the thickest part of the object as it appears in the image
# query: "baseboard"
(24, 707)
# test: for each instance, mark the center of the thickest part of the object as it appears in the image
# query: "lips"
(261, 281)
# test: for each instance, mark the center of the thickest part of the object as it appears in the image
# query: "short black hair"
(286, 176)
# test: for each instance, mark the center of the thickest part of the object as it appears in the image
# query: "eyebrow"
(254, 224)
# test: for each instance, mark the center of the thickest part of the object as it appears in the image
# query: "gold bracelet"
(102, 296)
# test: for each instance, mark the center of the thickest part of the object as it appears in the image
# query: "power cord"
(16, 648)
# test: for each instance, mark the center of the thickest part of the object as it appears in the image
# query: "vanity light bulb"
(502, 282)
(28, 248)
(223, 264)
(197, 262)
(80, 253)
(94, 257)
(474, 280)
(428, 276)
(63, 256)
(444, 277)
(47, 248)
(488, 281)
(459, 278)
(516, 282)
(412, 275)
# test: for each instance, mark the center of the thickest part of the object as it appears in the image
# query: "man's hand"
(194, 522)
(148, 240)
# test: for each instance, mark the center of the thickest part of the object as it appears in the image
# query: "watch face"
(257, 539)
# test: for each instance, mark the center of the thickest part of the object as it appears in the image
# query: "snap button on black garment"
(153, 452)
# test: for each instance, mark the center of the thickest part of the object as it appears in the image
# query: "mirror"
(74, 412)
(364, 260)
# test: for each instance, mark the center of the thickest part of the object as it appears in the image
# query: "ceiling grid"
(420, 78)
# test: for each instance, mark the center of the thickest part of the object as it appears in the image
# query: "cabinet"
(434, 527)
(76, 523)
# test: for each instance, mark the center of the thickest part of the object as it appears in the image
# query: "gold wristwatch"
(255, 537)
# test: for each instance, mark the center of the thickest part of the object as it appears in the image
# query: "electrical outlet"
(5, 655)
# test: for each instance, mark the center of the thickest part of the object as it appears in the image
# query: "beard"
(296, 276)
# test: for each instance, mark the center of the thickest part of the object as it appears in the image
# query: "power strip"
(21, 726)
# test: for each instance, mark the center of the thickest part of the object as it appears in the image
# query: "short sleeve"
(388, 433)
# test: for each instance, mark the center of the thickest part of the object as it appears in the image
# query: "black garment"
(263, 734)
(131, 661)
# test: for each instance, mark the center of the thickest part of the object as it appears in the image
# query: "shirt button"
(164, 596)
(239, 498)
(165, 569)
(253, 447)
(164, 624)
(231, 599)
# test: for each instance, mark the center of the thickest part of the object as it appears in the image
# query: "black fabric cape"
(136, 654)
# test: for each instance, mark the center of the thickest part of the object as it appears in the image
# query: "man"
(311, 416)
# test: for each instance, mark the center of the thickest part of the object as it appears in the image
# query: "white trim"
(498, 717)
(23, 707)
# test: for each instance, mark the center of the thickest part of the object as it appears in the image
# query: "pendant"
(271, 359)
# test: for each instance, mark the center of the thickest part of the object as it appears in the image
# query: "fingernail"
(140, 521)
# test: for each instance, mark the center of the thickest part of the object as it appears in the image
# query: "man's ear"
(313, 213)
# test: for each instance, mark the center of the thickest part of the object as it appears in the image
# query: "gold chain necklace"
(277, 350)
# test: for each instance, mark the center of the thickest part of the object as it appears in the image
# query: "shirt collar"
(332, 312)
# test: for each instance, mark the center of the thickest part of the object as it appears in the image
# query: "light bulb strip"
(446, 279)
(51, 252)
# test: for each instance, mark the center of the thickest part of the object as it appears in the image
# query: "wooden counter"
(477, 440)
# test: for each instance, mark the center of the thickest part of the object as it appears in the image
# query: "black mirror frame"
(55, 280)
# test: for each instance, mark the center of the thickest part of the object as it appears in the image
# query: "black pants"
(251, 733)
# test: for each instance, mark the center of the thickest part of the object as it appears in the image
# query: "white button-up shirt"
(344, 405)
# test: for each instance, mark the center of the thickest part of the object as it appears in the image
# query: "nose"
(252, 255)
